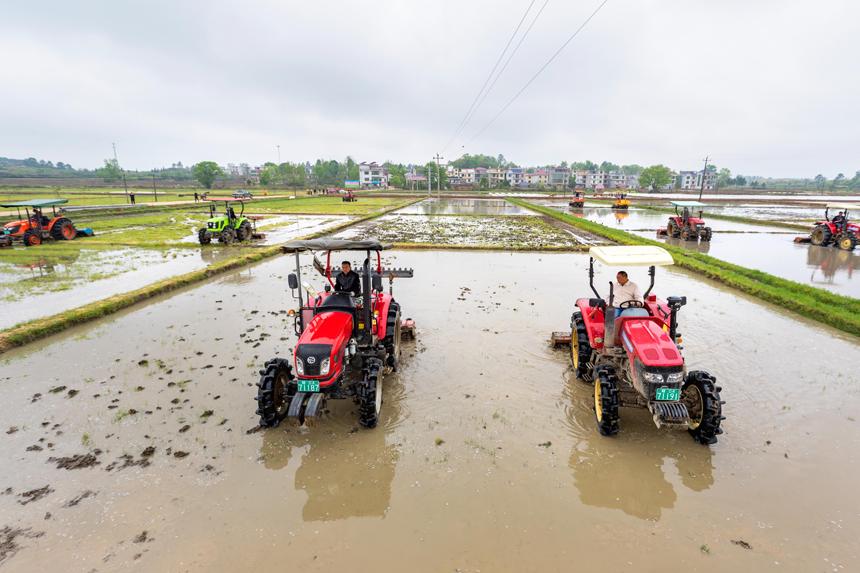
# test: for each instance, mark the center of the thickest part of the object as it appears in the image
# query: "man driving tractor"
(348, 280)
(625, 290)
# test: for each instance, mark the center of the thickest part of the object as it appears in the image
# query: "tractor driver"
(348, 280)
(839, 220)
(624, 290)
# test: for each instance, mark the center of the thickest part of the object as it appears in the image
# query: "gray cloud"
(763, 86)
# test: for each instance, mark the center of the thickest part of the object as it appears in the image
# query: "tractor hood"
(648, 342)
(321, 345)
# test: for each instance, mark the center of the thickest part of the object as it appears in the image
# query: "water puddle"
(435, 206)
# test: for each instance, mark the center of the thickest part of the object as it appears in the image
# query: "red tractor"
(35, 227)
(346, 343)
(577, 201)
(349, 197)
(685, 226)
(838, 231)
(631, 353)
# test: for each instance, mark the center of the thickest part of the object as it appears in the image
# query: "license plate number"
(664, 393)
(309, 386)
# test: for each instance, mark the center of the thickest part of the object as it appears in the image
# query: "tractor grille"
(669, 413)
(312, 356)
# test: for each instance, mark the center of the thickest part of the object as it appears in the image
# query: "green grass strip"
(841, 312)
(36, 329)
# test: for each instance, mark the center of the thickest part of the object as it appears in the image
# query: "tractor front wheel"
(606, 401)
(705, 233)
(63, 230)
(393, 336)
(31, 238)
(243, 233)
(820, 236)
(688, 234)
(846, 242)
(701, 395)
(204, 237)
(370, 394)
(227, 236)
(274, 392)
(580, 348)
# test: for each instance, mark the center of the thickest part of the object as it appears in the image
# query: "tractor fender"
(383, 305)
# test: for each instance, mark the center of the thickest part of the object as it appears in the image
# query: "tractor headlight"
(325, 366)
(653, 377)
(675, 378)
(300, 366)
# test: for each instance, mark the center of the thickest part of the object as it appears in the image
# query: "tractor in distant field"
(347, 341)
(349, 197)
(838, 231)
(35, 227)
(228, 227)
(684, 225)
(632, 354)
(621, 201)
(577, 201)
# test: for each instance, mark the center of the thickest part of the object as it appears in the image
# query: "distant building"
(558, 177)
(495, 177)
(372, 175)
(514, 176)
(692, 180)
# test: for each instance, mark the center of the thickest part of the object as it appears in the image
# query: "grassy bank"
(30, 331)
(834, 310)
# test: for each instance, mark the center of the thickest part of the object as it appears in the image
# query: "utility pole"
(704, 173)
(438, 175)
(154, 190)
(124, 182)
(279, 153)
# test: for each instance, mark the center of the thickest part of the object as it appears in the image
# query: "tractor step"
(560, 339)
(802, 240)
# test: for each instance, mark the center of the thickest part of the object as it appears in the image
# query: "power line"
(540, 70)
(486, 81)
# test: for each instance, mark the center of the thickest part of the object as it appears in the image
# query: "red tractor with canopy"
(632, 353)
(346, 342)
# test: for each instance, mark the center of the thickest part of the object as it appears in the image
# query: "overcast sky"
(765, 87)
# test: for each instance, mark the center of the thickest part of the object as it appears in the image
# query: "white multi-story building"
(372, 175)
(495, 177)
(514, 175)
(596, 180)
(692, 180)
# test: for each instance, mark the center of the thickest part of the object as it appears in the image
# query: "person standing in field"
(131, 197)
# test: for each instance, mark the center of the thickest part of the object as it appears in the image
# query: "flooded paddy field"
(452, 206)
(769, 249)
(131, 442)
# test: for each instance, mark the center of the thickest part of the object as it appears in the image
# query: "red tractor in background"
(349, 197)
(686, 226)
(346, 343)
(838, 231)
(631, 353)
(577, 201)
(35, 227)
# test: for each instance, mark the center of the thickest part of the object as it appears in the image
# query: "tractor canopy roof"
(37, 203)
(333, 245)
(831, 206)
(633, 256)
(688, 204)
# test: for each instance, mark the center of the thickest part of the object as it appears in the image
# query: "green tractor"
(227, 227)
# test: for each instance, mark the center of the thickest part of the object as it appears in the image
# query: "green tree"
(484, 183)
(724, 177)
(436, 174)
(471, 161)
(820, 180)
(205, 172)
(607, 166)
(632, 169)
(111, 170)
(396, 175)
(655, 177)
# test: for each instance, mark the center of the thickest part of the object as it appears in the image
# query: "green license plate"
(312, 386)
(664, 393)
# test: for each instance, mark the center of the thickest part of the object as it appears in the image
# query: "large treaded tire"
(274, 392)
(606, 401)
(243, 233)
(393, 336)
(31, 238)
(580, 348)
(672, 229)
(227, 236)
(820, 236)
(701, 395)
(846, 241)
(370, 394)
(705, 234)
(63, 230)
(204, 237)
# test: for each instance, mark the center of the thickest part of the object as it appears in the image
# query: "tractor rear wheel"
(705, 233)
(580, 348)
(846, 242)
(274, 392)
(820, 236)
(370, 394)
(63, 230)
(227, 236)
(393, 336)
(672, 229)
(606, 401)
(243, 233)
(204, 237)
(31, 238)
(701, 395)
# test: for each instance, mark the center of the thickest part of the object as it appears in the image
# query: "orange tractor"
(35, 227)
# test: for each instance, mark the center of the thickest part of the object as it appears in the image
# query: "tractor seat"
(341, 301)
(634, 312)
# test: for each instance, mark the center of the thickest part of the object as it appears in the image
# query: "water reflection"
(627, 472)
(698, 246)
(828, 262)
(345, 471)
(463, 207)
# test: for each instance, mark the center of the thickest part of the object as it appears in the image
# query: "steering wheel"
(631, 304)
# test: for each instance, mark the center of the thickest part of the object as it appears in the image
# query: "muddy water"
(434, 206)
(486, 458)
(761, 247)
